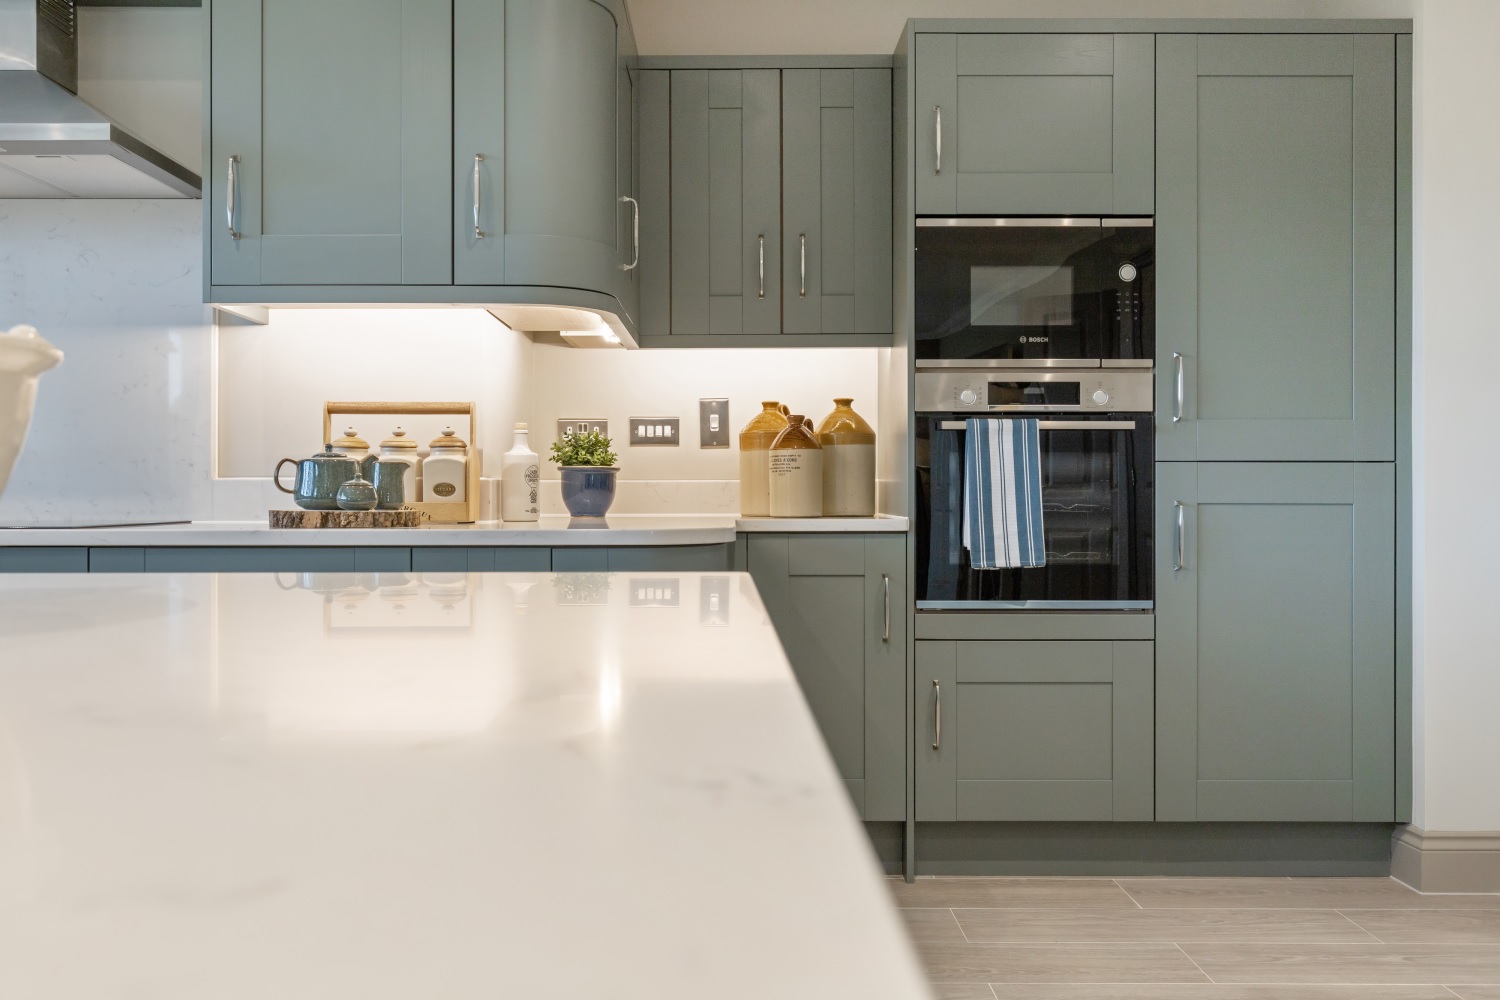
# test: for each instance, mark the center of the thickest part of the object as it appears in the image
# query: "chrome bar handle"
(230, 208)
(1181, 394)
(762, 293)
(937, 715)
(802, 292)
(885, 581)
(937, 140)
(635, 227)
(478, 196)
(1181, 557)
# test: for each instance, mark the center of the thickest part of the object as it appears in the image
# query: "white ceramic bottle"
(445, 472)
(520, 470)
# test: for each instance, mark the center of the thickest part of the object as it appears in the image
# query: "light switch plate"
(655, 592)
(713, 423)
(581, 425)
(656, 431)
(713, 601)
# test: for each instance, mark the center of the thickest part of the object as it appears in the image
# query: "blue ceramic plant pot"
(588, 490)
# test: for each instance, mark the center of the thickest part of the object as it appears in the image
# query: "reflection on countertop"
(540, 785)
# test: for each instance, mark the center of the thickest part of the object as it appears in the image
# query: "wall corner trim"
(1436, 861)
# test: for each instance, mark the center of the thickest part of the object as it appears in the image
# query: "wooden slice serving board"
(346, 518)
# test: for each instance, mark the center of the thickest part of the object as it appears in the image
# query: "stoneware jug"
(23, 357)
(318, 479)
(755, 459)
(848, 462)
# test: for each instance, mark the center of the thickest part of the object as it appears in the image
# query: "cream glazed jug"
(24, 356)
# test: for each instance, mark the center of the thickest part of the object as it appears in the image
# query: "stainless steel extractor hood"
(52, 143)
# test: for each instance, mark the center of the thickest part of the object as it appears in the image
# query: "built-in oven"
(1095, 476)
(1065, 292)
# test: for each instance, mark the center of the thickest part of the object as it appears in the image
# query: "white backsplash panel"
(122, 427)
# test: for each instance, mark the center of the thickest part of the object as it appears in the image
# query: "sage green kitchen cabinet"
(836, 201)
(1276, 242)
(644, 558)
(35, 559)
(329, 137)
(765, 206)
(1034, 730)
(726, 201)
(1034, 124)
(541, 145)
(1275, 648)
(838, 605)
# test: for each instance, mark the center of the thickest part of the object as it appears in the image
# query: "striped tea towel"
(1003, 494)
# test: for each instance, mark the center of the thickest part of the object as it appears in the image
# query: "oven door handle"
(1058, 425)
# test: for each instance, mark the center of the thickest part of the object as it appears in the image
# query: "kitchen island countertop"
(618, 529)
(462, 786)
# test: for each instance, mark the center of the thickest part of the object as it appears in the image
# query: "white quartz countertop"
(620, 529)
(454, 786)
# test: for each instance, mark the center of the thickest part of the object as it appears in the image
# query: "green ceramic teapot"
(318, 479)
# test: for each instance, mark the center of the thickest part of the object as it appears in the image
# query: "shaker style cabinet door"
(1034, 124)
(1275, 642)
(329, 142)
(1276, 242)
(837, 603)
(836, 200)
(1010, 731)
(726, 201)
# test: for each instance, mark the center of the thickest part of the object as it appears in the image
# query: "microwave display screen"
(1034, 393)
(1021, 295)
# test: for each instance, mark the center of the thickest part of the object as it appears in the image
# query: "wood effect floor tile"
(1035, 926)
(1430, 926)
(1318, 893)
(1058, 893)
(976, 991)
(1347, 963)
(1478, 992)
(1156, 991)
(932, 926)
(1094, 963)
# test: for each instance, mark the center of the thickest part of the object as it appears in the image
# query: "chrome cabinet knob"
(1100, 396)
(968, 397)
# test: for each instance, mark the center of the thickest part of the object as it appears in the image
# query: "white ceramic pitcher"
(23, 357)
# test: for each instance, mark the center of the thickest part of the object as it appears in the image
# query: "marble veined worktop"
(481, 786)
(618, 529)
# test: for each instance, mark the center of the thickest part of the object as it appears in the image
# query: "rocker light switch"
(713, 423)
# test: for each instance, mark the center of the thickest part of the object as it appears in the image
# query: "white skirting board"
(1446, 862)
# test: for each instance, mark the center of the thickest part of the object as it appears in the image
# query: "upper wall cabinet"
(540, 157)
(1276, 244)
(1034, 124)
(765, 205)
(363, 147)
(329, 142)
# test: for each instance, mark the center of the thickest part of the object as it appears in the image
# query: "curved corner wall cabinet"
(450, 151)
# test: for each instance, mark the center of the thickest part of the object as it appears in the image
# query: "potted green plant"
(588, 473)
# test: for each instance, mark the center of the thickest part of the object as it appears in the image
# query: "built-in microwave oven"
(1067, 292)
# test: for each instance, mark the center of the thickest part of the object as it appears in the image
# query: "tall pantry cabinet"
(1276, 412)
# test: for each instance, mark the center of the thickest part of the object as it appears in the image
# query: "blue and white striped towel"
(1003, 494)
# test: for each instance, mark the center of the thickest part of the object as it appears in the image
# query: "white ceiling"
(836, 27)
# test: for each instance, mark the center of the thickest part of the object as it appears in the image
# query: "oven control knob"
(1100, 396)
(968, 397)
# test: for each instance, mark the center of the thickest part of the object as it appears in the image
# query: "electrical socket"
(655, 431)
(713, 423)
(580, 425)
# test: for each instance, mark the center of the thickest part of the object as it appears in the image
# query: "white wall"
(1456, 560)
(813, 27)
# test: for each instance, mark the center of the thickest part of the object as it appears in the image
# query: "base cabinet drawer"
(1021, 730)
